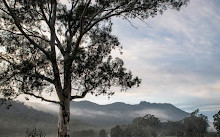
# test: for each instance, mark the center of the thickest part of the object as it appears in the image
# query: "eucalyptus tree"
(64, 46)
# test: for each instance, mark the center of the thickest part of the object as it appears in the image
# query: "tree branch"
(69, 38)
(17, 23)
(106, 16)
(40, 97)
(6, 78)
(81, 96)
(59, 45)
(5, 59)
(4, 11)
(74, 5)
(57, 80)
(130, 22)
(95, 14)
(44, 77)
(82, 16)
(84, 92)
(30, 35)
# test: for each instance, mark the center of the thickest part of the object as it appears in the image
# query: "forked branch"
(79, 96)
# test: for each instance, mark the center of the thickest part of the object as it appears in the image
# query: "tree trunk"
(64, 119)
(65, 95)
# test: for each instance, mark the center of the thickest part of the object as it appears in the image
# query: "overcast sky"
(177, 56)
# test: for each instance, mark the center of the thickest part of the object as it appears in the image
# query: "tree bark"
(64, 119)
(64, 112)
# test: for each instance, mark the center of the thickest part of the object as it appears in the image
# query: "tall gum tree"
(65, 47)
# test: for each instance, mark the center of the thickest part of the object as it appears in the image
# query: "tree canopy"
(148, 120)
(116, 131)
(102, 133)
(196, 125)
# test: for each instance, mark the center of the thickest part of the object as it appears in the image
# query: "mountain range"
(117, 113)
(21, 116)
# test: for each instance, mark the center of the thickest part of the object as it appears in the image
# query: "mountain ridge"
(107, 115)
(124, 113)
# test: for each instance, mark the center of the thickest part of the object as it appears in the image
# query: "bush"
(35, 133)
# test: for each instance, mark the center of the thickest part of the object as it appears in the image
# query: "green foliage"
(148, 120)
(196, 125)
(116, 131)
(148, 125)
(141, 126)
(170, 128)
(102, 133)
(216, 122)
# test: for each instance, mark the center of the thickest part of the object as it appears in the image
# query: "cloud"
(178, 56)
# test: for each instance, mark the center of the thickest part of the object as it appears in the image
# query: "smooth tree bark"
(52, 46)
(64, 119)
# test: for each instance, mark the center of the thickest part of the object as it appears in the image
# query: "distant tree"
(196, 125)
(117, 131)
(173, 128)
(148, 125)
(102, 133)
(216, 122)
(148, 120)
(51, 46)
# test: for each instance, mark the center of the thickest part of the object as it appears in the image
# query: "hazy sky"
(177, 56)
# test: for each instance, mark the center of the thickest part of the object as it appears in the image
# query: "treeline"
(196, 125)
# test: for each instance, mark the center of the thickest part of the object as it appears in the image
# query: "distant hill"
(96, 115)
(121, 113)
(19, 117)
